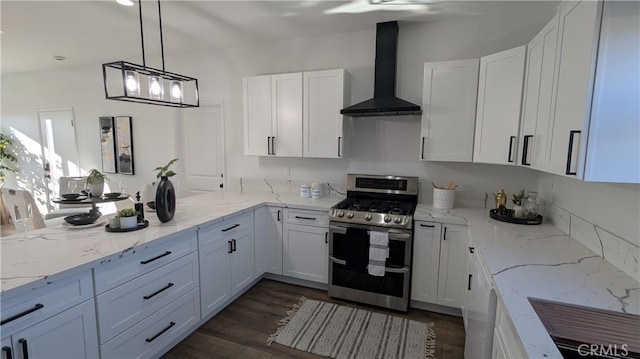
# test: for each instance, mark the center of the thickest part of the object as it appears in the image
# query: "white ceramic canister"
(443, 198)
(316, 190)
(305, 191)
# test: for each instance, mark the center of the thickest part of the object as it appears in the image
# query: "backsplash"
(614, 249)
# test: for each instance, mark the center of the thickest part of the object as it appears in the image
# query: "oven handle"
(386, 269)
(393, 235)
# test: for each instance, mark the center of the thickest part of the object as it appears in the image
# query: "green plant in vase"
(5, 156)
(128, 218)
(517, 199)
(96, 179)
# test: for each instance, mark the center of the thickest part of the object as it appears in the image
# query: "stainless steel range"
(375, 205)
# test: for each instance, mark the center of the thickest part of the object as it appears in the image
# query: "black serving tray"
(509, 218)
(140, 226)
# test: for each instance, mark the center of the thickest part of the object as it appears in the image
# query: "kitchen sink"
(585, 332)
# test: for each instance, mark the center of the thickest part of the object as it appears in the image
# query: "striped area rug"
(338, 331)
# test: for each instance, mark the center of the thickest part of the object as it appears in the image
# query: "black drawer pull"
(230, 228)
(469, 283)
(428, 225)
(149, 340)
(158, 292)
(422, 150)
(230, 247)
(444, 237)
(326, 237)
(233, 245)
(25, 350)
(570, 153)
(309, 218)
(472, 249)
(7, 351)
(525, 150)
(511, 139)
(339, 149)
(278, 215)
(156, 258)
(20, 315)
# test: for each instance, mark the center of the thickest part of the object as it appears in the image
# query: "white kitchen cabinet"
(226, 260)
(594, 133)
(325, 130)
(70, 334)
(439, 252)
(268, 240)
(498, 110)
(257, 115)
(305, 241)
(449, 110)
(538, 94)
(506, 343)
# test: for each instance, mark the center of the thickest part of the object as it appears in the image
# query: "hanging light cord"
(144, 62)
(161, 42)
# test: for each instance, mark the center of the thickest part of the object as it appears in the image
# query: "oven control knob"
(367, 216)
(387, 218)
(397, 220)
(340, 214)
(350, 215)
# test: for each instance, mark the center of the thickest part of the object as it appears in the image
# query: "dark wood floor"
(241, 330)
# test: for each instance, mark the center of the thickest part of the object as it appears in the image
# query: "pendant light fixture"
(126, 81)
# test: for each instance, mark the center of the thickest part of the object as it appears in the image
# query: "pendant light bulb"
(176, 91)
(132, 82)
(156, 88)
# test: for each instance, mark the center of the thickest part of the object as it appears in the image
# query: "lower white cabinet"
(506, 343)
(70, 334)
(268, 240)
(438, 273)
(226, 260)
(305, 247)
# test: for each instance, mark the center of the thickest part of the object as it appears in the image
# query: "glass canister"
(531, 206)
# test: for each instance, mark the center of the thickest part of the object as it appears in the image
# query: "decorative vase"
(517, 211)
(97, 188)
(165, 200)
(128, 222)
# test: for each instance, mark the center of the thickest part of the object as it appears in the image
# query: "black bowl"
(82, 218)
(112, 195)
(70, 195)
(152, 204)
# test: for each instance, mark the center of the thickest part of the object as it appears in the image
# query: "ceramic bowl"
(112, 195)
(82, 218)
(70, 196)
(152, 204)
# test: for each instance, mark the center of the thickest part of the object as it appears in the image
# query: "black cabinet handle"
(472, 249)
(149, 340)
(428, 225)
(469, 283)
(278, 215)
(20, 315)
(158, 292)
(7, 351)
(230, 228)
(268, 145)
(230, 247)
(326, 237)
(525, 150)
(309, 218)
(25, 349)
(233, 245)
(156, 258)
(570, 153)
(445, 234)
(339, 140)
(511, 139)
(422, 149)
(273, 145)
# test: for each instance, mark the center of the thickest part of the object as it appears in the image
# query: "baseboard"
(436, 308)
(296, 281)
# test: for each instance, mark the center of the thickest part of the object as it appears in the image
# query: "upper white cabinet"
(273, 115)
(449, 110)
(538, 94)
(498, 111)
(594, 133)
(323, 125)
(296, 115)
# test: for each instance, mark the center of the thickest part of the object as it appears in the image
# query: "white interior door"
(59, 148)
(202, 131)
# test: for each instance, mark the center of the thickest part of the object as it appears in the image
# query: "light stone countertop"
(59, 251)
(540, 261)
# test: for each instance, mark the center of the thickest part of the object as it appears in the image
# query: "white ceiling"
(102, 31)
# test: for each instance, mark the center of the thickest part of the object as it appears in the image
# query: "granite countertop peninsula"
(57, 252)
(540, 261)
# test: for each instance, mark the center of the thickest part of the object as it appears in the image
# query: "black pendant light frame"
(123, 66)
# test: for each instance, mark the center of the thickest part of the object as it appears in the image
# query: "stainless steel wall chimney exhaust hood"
(384, 101)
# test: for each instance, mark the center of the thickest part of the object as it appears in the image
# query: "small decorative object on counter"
(128, 218)
(165, 193)
(316, 190)
(443, 198)
(139, 208)
(305, 191)
(501, 201)
(517, 199)
(531, 206)
(114, 223)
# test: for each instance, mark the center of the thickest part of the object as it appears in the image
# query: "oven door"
(349, 281)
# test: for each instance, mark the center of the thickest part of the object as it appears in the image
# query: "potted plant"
(517, 199)
(128, 218)
(96, 179)
(165, 202)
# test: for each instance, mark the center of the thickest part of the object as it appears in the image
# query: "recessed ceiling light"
(59, 57)
(125, 2)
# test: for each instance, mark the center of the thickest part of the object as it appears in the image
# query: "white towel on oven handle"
(378, 253)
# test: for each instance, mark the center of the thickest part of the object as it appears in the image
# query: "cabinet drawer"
(146, 338)
(307, 218)
(229, 227)
(126, 305)
(30, 308)
(121, 271)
